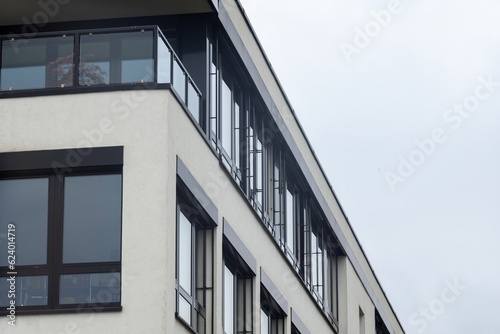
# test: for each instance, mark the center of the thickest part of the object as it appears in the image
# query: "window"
(238, 289)
(273, 306)
(46, 61)
(320, 267)
(67, 227)
(194, 284)
(114, 58)
(272, 318)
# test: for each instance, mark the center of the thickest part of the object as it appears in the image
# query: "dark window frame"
(55, 165)
(200, 300)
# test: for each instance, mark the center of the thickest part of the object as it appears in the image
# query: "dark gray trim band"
(266, 97)
(239, 246)
(58, 159)
(298, 323)
(197, 191)
(273, 290)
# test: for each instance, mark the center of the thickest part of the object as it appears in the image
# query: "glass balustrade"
(95, 58)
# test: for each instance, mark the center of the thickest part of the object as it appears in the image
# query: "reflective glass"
(194, 102)
(137, 57)
(92, 218)
(225, 115)
(163, 62)
(213, 94)
(185, 254)
(29, 291)
(101, 288)
(24, 203)
(184, 309)
(179, 81)
(314, 260)
(259, 170)
(290, 226)
(237, 138)
(37, 63)
(116, 58)
(228, 301)
(264, 323)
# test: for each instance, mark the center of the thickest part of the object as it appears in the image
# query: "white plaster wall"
(138, 121)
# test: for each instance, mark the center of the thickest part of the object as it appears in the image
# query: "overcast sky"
(401, 102)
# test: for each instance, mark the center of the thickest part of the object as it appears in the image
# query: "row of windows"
(194, 288)
(251, 148)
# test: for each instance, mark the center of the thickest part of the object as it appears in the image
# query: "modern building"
(155, 179)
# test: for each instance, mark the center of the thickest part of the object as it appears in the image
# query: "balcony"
(90, 60)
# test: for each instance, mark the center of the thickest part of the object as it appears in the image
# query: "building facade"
(155, 179)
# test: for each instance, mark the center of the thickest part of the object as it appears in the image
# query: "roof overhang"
(40, 12)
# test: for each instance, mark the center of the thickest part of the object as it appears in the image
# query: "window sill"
(87, 309)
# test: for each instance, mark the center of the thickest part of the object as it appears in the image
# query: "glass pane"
(237, 135)
(277, 197)
(259, 169)
(185, 254)
(290, 226)
(30, 290)
(226, 118)
(24, 203)
(116, 58)
(37, 63)
(99, 288)
(264, 323)
(95, 56)
(163, 62)
(184, 309)
(136, 56)
(179, 80)
(228, 301)
(194, 102)
(314, 260)
(92, 218)
(213, 94)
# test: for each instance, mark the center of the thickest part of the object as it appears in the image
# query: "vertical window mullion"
(55, 237)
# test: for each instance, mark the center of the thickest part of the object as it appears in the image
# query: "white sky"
(364, 116)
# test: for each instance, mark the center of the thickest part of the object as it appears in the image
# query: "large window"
(321, 262)
(194, 286)
(238, 289)
(46, 61)
(116, 58)
(66, 228)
